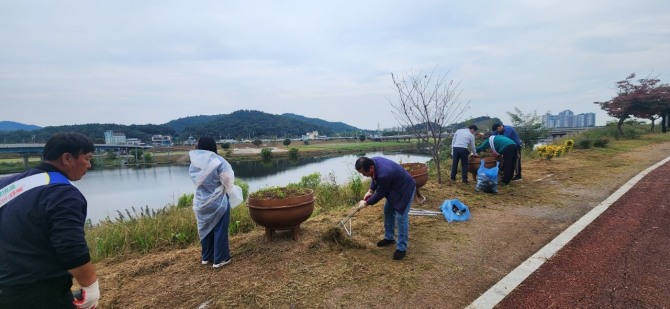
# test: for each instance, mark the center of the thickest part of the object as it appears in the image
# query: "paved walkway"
(616, 256)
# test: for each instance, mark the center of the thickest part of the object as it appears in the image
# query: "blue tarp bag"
(454, 210)
(487, 178)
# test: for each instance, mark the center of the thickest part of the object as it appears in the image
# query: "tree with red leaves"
(647, 99)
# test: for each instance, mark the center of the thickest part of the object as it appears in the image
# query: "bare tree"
(426, 105)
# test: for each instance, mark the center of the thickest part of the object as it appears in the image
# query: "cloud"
(154, 61)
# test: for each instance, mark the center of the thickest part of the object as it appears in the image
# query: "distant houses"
(159, 140)
(119, 138)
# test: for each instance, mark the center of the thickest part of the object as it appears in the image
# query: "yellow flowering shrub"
(549, 151)
(568, 145)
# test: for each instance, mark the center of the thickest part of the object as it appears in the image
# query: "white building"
(161, 140)
(112, 138)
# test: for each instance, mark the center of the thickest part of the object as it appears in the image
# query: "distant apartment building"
(114, 138)
(161, 140)
(567, 119)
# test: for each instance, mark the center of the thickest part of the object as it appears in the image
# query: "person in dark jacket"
(509, 132)
(42, 244)
(391, 181)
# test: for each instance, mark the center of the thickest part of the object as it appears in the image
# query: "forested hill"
(13, 126)
(336, 126)
(240, 125)
(248, 124)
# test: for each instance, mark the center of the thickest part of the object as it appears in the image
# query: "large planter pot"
(286, 213)
(475, 162)
(418, 171)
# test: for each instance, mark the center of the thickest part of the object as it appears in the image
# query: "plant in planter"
(281, 208)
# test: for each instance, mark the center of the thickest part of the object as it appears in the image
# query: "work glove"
(367, 196)
(87, 297)
(362, 204)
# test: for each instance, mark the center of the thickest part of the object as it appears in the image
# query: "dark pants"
(51, 294)
(460, 154)
(517, 171)
(215, 244)
(509, 154)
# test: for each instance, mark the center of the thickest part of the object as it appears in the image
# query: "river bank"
(178, 155)
(464, 258)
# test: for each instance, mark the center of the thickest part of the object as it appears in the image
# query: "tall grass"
(144, 230)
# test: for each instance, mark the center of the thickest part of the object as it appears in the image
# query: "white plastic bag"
(235, 196)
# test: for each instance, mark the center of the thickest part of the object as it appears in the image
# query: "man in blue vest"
(391, 181)
(42, 244)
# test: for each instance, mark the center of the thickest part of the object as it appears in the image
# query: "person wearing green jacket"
(500, 144)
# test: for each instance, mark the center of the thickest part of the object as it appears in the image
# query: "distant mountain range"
(13, 126)
(239, 125)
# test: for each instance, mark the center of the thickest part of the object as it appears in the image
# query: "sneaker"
(399, 255)
(517, 178)
(385, 242)
(224, 263)
(466, 181)
(204, 262)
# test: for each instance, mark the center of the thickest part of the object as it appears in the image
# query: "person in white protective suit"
(215, 196)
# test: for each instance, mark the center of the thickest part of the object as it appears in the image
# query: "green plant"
(601, 142)
(306, 142)
(266, 154)
(293, 153)
(311, 181)
(257, 142)
(186, 200)
(287, 142)
(278, 192)
(583, 143)
(225, 146)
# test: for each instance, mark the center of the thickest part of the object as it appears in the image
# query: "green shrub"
(287, 142)
(583, 143)
(266, 154)
(186, 200)
(601, 142)
(311, 181)
(293, 153)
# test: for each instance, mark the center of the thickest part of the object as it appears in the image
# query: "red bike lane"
(621, 259)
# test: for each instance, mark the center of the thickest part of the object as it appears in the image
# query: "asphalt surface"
(616, 256)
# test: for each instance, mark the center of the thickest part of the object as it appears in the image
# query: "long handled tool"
(423, 212)
(347, 221)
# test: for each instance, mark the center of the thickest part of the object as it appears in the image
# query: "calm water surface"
(109, 191)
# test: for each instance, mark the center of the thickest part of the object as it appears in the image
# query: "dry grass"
(448, 264)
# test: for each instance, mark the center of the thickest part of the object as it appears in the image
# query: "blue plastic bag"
(454, 210)
(487, 178)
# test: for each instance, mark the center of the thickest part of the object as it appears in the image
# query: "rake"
(347, 221)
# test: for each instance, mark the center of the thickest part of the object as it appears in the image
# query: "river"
(109, 191)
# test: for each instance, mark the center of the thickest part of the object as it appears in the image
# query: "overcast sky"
(139, 62)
